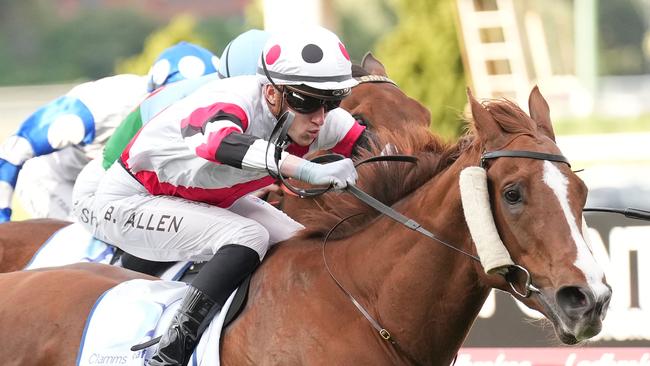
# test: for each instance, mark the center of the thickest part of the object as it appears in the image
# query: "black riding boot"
(176, 346)
(209, 291)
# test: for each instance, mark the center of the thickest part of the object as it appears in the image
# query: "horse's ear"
(487, 128)
(540, 113)
(372, 65)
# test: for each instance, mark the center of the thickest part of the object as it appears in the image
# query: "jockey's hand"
(339, 173)
(5, 214)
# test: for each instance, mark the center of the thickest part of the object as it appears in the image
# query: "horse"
(376, 101)
(19, 240)
(419, 293)
(55, 342)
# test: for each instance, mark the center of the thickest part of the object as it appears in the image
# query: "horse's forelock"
(510, 117)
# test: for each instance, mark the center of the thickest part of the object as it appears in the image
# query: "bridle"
(374, 79)
(522, 154)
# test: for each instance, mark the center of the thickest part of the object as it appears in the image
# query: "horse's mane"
(386, 181)
(389, 182)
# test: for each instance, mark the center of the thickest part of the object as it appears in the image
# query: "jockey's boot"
(177, 344)
(205, 297)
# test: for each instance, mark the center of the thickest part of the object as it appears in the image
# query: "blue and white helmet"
(179, 62)
(241, 55)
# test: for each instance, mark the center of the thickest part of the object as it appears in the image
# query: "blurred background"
(590, 58)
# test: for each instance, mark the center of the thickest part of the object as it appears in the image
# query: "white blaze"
(584, 259)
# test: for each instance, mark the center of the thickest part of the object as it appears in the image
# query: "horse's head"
(379, 102)
(537, 203)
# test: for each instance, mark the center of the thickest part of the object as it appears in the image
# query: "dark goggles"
(305, 104)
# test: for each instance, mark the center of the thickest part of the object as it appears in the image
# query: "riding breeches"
(44, 185)
(167, 228)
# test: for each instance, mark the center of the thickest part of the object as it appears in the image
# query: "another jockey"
(181, 189)
(60, 138)
(240, 57)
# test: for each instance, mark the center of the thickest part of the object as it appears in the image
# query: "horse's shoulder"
(287, 264)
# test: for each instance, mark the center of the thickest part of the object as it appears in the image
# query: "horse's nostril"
(575, 301)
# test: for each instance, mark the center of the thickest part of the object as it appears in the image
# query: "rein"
(633, 213)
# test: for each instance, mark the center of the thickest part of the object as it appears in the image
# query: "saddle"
(184, 274)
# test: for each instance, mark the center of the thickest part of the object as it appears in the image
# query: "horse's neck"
(425, 293)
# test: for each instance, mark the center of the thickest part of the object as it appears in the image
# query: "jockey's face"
(306, 125)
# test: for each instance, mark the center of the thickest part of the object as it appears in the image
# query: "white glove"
(339, 173)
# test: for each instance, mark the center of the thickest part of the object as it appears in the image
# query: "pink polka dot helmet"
(313, 60)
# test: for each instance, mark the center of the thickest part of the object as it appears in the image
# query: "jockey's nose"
(318, 116)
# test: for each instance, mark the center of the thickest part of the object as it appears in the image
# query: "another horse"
(19, 240)
(376, 100)
(56, 342)
(423, 296)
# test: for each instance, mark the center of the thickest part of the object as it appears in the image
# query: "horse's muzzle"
(581, 312)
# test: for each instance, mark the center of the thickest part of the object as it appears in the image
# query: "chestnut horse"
(423, 295)
(377, 101)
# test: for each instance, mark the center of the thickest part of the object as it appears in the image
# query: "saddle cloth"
(74, 244)
(71, 244)
(134, 312)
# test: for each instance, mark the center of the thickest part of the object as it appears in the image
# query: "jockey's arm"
(248, 152)
(255, 157)
(64, 122)
(342, 134)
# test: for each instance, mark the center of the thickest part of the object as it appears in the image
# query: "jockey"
(180, 190)
(59, 139)
(240, 57)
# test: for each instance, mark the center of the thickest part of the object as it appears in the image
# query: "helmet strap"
(268, 76)
(275, 86)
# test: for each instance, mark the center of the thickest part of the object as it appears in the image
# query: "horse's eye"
(512, 195)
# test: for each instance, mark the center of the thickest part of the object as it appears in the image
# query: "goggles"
(305, 104)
